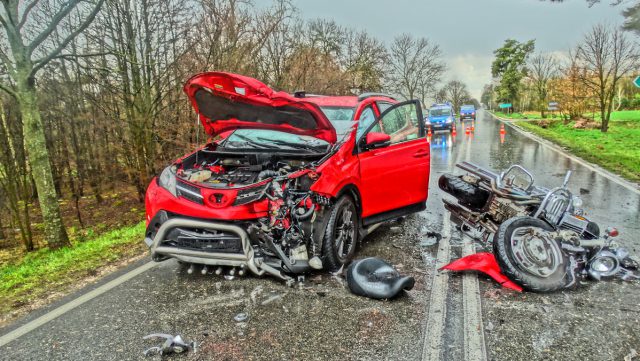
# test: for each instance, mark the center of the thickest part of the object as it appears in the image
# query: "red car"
(288, 184)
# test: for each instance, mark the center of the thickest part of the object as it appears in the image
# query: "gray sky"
(469, 30)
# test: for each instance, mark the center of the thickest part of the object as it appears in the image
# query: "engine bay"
(220, 169)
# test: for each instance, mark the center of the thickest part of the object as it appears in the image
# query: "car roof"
(333, 101)
(440, 106)
(345, 100)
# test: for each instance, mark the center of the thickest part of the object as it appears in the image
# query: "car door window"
(401, 123)
(382, 106)
(367, 117)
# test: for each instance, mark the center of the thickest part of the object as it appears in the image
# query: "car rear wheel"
(340, 236)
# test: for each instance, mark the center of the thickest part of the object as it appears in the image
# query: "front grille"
(251, 194)
(204, 240)
(189, 192)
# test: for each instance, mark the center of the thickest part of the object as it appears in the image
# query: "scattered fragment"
(171, 345)
(395, 229)
(271, 299)
(484, 262)
(489, 327)
(241, 317)
(631, 355)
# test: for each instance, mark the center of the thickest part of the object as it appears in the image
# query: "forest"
(91, 99)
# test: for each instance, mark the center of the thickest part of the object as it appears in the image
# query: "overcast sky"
(468, 30)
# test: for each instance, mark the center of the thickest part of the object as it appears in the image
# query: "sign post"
(505, 105)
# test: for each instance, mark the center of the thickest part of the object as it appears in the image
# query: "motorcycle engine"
(502, 209)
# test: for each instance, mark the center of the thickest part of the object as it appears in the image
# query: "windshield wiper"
(251, 142)
(288, 144)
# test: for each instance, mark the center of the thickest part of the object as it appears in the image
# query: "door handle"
(421, 153)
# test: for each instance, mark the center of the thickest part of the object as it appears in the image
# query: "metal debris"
(171, 345)
(241, 317)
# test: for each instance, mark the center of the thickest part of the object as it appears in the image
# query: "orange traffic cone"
(429, 132)
(453, 131)
(502, 131)
(467, 130)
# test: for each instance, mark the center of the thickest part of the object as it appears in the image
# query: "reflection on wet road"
(598, 321)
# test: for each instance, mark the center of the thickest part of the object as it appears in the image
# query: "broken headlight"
(167, 180)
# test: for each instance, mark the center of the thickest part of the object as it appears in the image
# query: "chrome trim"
(245, 259)
(186, 190)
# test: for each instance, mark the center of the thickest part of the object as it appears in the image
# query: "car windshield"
(440, 112)
(341, 118)
(467, 108)
(273, 140)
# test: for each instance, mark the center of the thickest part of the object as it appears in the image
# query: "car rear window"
(439, 112)
(340, 117)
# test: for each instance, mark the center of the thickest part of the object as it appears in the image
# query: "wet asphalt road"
(321, 320)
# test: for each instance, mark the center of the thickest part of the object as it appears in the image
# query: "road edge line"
(53, 314)
(437, 307)
(558, 149)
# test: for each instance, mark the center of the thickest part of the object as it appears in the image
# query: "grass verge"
(45, 272)
(618, 150)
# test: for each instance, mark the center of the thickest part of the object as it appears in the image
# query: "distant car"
(467, 112)
(440, 117)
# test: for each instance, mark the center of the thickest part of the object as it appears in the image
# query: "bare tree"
(27, 51)
(607, 55)
(456, 92)
(415, 67)
(542, 68)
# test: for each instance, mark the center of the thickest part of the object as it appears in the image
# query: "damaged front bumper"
(162, 248)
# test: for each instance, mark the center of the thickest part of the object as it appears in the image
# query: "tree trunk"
(35, 144)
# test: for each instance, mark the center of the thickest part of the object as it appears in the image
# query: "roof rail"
(304, 94)
(364, 96)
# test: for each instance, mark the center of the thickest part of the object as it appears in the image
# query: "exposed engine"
(219, 169)
(282, 240)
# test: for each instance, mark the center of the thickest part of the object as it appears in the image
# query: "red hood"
(226, 101)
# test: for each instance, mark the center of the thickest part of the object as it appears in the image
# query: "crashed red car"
(290, 183)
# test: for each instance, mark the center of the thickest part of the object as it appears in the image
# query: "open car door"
(394, 163)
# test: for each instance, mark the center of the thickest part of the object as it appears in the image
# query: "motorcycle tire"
(468, 194)
(516, 263)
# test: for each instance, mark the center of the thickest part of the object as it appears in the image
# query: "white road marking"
(610, 176)
(432, 345)
(24, 329)
(474, 346)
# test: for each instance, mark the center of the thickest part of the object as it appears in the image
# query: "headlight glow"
(167, 180)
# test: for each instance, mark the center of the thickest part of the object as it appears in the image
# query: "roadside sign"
(636, 81)
(553, 106)
(505, 105)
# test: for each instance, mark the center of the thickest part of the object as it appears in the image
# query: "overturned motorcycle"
(541, 239)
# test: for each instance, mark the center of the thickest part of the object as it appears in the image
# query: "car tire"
(341, 231)
(516, 264)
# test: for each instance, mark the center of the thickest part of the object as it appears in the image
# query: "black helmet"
(375, 278)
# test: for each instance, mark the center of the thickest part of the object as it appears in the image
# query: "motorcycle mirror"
(566, 179)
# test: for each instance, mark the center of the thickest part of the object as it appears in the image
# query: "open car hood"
(226, 101)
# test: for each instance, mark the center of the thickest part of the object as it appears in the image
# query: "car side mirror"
(375, 140)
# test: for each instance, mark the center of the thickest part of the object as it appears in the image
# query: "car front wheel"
(340, 236)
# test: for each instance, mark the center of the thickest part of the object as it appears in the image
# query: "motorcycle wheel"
(468, 194)
(536, 263)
